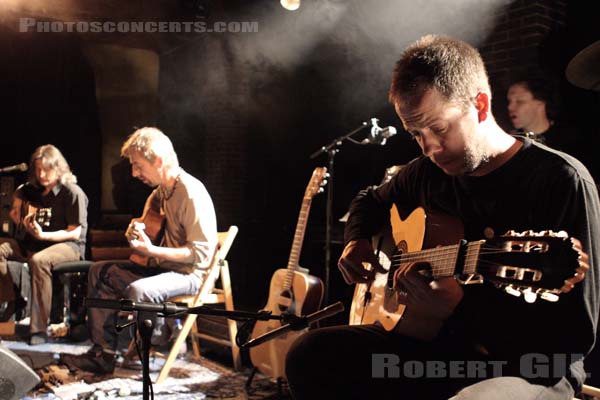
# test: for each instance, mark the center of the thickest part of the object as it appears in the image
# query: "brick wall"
(525, 40)
(518, 42)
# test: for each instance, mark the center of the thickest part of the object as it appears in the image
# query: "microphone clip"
(378, 134)
(296, 323)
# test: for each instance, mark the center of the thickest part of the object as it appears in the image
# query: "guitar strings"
(443, 259)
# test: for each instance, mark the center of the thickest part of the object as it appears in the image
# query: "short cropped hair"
(449, 65)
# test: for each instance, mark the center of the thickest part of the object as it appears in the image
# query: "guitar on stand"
(292, 291)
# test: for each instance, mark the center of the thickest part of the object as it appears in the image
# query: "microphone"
(296, 324)
(130, 305)
(378, 134)
(17, 167)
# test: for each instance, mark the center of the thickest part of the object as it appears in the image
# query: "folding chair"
(208, 294)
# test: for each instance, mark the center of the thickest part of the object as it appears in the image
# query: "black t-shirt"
(560, 136)
(538, 189)
(68, 205)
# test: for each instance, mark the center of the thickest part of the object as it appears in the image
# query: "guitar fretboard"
(294, 259)
(443, 260)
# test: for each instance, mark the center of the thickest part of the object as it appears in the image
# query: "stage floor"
(189, 378)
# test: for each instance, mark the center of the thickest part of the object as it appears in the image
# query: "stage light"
(290, 4)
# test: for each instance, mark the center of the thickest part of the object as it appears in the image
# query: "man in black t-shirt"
(472, 341)
(50, 211)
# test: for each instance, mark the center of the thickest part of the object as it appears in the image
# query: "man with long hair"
(50, 211)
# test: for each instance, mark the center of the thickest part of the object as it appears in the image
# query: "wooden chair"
(208, 294)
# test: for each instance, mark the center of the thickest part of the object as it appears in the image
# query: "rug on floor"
(188, 379)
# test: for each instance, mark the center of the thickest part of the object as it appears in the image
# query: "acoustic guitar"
(292, 291)
(518, 263)
(41, 215)
(152, 222)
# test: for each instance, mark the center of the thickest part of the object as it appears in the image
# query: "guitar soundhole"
(285, 300)
(401, 248)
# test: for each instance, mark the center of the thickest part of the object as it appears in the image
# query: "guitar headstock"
(317, 182)
(535, 264)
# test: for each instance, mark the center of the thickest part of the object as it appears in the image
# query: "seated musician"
(51, 213)
(175, 266)
(473, 341)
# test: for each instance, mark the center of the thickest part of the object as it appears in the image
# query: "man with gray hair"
(174, 267)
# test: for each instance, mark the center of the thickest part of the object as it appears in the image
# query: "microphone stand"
(331, 149)
(145, 325)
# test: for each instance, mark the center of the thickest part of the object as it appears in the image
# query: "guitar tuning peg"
(529, 295)
(324, 182)
(321, 190)
(512, 291)
(327, 175)
(548, 296)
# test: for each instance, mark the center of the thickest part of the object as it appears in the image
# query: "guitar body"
(42, 216)
(376, 301)
(519, 263)
(154, 220)
(303, 297)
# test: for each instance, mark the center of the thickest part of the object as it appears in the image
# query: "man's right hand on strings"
(356, 254)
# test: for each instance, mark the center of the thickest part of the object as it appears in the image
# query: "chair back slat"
(225, 241)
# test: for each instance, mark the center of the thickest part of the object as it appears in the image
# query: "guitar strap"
(161, 209)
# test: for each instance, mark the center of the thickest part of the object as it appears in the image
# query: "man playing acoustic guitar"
(51, 213)
(180, 217)
(473, 341)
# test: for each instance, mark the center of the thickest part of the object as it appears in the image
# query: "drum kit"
(584, 69)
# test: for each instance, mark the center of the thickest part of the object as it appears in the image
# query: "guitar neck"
(445, 261)
(294, 259)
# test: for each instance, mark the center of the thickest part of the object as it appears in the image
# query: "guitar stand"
(280, 383)
(250, 378)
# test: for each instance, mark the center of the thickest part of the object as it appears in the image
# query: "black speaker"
(16, 378)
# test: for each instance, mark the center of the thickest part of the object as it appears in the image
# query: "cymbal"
(584, 69)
